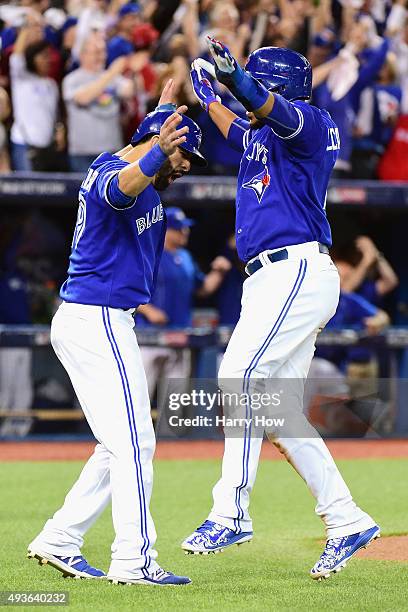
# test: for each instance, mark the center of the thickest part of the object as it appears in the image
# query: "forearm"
(190, 29)
(132, 181)
(211, 283)
(88, 93)
(222, 116)
(388, 279)
(135, 177)
(396, 18)
(323, 17)
(369, 71)
(320, 73)
(238, 47)
(355, 277)
(21, 42)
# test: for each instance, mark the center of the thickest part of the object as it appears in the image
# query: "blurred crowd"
(77, 76)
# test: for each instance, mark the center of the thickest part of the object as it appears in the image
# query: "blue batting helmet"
(282, 70)
(152, 124)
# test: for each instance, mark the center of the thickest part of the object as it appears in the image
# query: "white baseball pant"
(284, 304)
(99, 350)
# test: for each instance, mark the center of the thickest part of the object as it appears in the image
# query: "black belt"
(256, 264)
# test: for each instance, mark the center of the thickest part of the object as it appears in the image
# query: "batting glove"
(201, 84)
(227, 68)
(250, 92)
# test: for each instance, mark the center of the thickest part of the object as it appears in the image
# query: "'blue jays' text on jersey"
(282, 181)
(177, 280)
(116, 249)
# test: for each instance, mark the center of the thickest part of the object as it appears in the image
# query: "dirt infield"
(79, 451)
(392, 548)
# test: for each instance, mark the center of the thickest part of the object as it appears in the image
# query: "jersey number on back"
(333, 140)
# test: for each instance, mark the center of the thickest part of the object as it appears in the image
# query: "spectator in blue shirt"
(122, 43)
(179, 278)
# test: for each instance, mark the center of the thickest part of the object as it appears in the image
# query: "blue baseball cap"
(128, 9)
(176, 218)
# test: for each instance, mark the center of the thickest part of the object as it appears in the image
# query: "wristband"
(248, 90)
(152, 161)
(169, 106)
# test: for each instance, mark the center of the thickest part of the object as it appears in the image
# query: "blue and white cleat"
(340, 550)
(74, 567)
(212, 537)
(157, 578)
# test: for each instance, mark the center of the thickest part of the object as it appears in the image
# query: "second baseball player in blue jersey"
(288, 151)
(116, 249)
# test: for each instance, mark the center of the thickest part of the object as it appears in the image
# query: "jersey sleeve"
(297, 124)
(238, 135)
(107, 187)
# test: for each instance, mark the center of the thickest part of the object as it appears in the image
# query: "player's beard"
(165, 176)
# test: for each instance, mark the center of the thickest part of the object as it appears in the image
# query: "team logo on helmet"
(259, 183)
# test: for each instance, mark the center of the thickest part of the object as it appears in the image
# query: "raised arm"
(282, 116)
(88, 93)
(230, 125)
(135, 177)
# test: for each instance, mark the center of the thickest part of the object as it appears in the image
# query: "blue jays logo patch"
(259, 183)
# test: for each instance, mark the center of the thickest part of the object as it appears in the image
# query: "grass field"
(269, 574)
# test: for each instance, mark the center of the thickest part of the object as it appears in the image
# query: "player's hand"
(167, 95)
(201, 84)
(170, 137)
(225, 64)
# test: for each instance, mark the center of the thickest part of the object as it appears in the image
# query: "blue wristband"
(152, 161)
(168, 106)
(250, 92)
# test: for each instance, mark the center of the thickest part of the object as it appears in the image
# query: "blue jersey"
(282, 181)
(177, 280)
(117, 244)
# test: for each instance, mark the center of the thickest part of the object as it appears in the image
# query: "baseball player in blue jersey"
(116, 249)
(288, 151)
